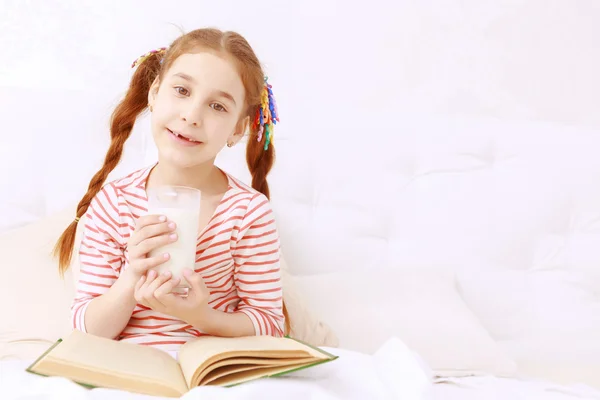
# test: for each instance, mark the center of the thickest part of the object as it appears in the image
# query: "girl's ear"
(240, 130)
(152, 92)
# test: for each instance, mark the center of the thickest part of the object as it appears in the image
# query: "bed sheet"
(495, 388)
(393, 372)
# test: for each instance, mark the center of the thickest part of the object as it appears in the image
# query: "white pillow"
(557, 359)
(547, 320)
(517, 304)
(34, 301)
(304, 324)
(22, 199)
(422, 308)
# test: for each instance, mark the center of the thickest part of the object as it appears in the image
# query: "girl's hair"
(135, 102)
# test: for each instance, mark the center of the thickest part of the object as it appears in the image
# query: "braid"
(122, 122)
(259, 162)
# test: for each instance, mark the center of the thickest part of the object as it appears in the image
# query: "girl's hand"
(151, 232)
(156, 291)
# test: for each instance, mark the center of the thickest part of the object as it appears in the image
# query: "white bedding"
(394, 372)
(352, 376)
(493, 388)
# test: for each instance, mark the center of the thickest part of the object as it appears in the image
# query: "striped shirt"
(237, 255)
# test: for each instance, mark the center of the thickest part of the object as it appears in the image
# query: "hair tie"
(267, 115)
(143, 57)
(76, 219)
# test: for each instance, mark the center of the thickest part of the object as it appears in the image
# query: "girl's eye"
(218, 107)
(182, 91)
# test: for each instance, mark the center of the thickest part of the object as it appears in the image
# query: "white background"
(65, 64)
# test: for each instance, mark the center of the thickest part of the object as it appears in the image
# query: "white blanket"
(394, 372)
(494, 388)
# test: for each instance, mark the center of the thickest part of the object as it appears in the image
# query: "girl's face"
(196, 109)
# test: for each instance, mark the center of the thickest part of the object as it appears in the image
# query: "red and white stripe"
(237, 255)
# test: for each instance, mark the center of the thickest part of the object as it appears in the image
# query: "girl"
(203, 93)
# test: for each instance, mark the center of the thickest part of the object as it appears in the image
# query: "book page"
(120, 359)
(241, 375)
(197, 354)
(242, 363)
(231, 369)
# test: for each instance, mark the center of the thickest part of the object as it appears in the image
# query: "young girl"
(203, 92)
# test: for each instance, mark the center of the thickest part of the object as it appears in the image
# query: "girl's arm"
(107, 315)
(104, 300)
(257, 273)
(220, 323)
(257, 277)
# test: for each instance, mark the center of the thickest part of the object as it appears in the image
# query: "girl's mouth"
(183, 139)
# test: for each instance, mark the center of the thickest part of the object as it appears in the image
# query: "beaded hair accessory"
(267, 115)
(143, 57)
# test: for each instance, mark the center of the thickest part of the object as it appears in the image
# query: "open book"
(99, 362)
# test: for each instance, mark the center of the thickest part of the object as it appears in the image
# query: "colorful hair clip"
(143, 57)
(267, 115)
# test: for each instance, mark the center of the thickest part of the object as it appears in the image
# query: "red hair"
(124, 116)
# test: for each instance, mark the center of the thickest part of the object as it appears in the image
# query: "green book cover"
(31, 371)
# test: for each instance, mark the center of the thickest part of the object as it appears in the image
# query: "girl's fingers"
(158, 282)
(139, 283)
(166, 288)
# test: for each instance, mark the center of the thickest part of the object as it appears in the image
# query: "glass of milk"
(180, 205)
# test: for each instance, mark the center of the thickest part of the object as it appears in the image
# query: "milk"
(180, 205)
(183, 251)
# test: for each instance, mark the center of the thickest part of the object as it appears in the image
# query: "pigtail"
(260, 155)
(122, 121)
(260, 161)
